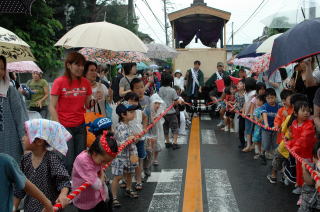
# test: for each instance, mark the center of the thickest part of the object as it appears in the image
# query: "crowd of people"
(122, 109)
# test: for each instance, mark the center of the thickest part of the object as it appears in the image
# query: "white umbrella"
(102, 35)
(266, 46)
(23, 67)
(159, 51)
(13, 47)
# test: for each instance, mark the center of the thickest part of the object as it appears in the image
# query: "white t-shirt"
(179, 82)
(136, 124)
(248, 97)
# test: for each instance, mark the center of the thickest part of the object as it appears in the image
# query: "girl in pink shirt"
(88, 167)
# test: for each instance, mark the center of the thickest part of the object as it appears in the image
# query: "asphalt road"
(231, 180)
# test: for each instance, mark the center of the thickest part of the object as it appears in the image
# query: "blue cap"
(100, 124)
(124, 107)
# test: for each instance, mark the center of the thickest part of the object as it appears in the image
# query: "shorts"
(230, 114)
(256, 137)
(120, 166)
(171, 122)
(141, 149)
(248, 127)
(269, 140)
(278, 160)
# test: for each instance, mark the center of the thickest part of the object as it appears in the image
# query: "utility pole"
(130, 12)
(165, 21)
(232, 37)
(312, 10)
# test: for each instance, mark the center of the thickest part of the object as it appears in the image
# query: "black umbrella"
(296, 44)
(250, 51)
(16, 6)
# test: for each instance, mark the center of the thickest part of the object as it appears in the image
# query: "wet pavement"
(231, 180)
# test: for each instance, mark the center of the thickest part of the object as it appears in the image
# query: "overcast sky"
(240, 11)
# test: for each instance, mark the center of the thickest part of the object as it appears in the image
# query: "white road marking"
(208, 136)
(205, 117)
(219, 191)
(167, 194)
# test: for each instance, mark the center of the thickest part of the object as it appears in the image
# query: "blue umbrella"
(250, 51)
(296, 44)
(142, 66)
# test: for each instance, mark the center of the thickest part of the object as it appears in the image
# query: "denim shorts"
(141, 149)
(248, 127)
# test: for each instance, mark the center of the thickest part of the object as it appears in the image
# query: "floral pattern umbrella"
(103, 56)
(262, 64)
(161, 52)
(246, 62)
(23, 67)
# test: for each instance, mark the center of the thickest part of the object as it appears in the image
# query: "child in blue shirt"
(256, 138)
(269, 112)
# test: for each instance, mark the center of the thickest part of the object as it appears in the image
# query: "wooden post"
(225, 35)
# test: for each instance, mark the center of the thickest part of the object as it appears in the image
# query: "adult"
(219, 74)
(13, 114)
(115, 85)
(274, 81)
(100, 92)
(40, 89)
(179, 80)
(194, 81)
(130, 70)
(70, 95)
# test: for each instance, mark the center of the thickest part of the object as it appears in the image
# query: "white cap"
(178, 71)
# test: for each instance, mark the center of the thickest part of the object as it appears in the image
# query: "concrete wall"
(209, 58)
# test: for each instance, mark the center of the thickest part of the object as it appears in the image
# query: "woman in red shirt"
(70, 94)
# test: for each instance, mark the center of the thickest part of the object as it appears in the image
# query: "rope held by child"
(85, 185)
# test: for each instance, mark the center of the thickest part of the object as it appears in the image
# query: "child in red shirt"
(303, 136)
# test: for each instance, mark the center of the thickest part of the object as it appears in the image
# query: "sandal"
(138, 186)
(115, 203)
(156, 163)
(132, 194)
(123, 184)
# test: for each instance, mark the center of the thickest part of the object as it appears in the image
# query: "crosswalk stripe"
(219, 191)
(208, 136)
(167, 194)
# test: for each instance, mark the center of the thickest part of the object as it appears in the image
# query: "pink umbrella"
(246, 62)
(23, 67)
(112, 57)
(262, 64)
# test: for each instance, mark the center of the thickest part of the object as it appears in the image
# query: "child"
(137, 86)
(156, 107)
(256, 137)
(179, 80)
(44, 168)
(180, 113)
(12, 177)
(230, 101)
(125, 163)
(283, 112)
(309, 196)
(282, 154)
(250, 86)
(138, 124)
(169, 96)
(88, 167)
(303, 136)
(238, 106)
(269, 112)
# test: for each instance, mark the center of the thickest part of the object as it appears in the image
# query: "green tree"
(39, 31)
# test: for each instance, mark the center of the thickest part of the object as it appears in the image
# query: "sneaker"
(263, 160)
(175, 146)
(168, 145)
(221, 123)
(269, 156)
(232, 130)
(272, 180)
(226, 129)
(218, 108)
(256, 157)
(297, 190)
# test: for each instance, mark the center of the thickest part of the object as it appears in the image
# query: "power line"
(248, 20)
(147, 23)
(154, 15)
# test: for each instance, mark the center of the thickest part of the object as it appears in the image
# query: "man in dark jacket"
(194, 82)
(115, 85)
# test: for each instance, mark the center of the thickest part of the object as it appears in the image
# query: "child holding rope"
(240, 100)
(303, 136)
(230, 101)
(89, 167)
(44, 168)
(257, 114)
(125, 163)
